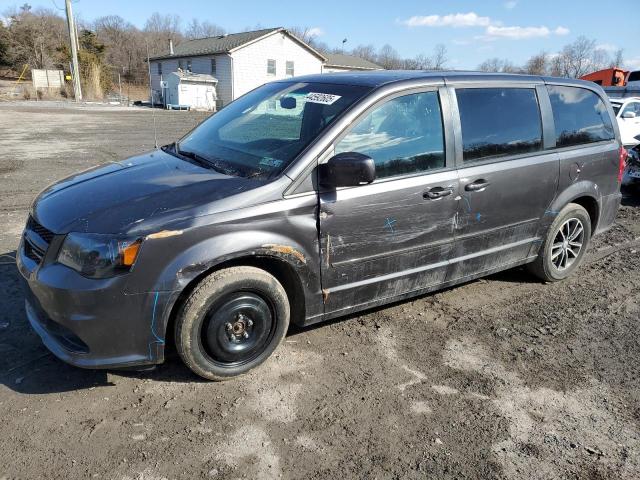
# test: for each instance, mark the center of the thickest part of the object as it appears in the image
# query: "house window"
(271, 67)
(290, 68)
(180, 64)
(213, 66)
(159, 68)
(189, 65)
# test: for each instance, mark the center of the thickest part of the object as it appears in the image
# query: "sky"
(471, 30)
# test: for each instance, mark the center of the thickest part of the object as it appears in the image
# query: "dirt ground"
(503, 377)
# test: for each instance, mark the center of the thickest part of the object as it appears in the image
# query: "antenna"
(153, 112)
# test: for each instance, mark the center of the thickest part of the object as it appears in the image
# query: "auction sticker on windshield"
(324, 98)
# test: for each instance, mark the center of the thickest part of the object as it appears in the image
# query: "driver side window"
(403, 135)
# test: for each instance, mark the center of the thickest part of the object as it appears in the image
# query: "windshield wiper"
(199, 159)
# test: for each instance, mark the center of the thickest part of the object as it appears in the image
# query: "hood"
(151, 189)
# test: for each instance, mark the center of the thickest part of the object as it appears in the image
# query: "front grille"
(33, 252)
(43, 233)
(36, 240)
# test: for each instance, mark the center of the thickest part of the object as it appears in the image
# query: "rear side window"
(403, 135)
(580, 116)
(499, 121)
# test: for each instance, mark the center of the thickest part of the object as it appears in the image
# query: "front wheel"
(232, 322)
(565, 244)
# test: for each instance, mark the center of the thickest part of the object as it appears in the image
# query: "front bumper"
(90, 323)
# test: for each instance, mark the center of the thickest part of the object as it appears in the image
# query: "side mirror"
(347, 169)
(629, 114)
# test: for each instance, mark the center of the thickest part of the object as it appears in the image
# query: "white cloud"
(470, 19)
(511, 4)
(517, 33)
(607, 47)
(315, 32)
(496, 32)
(632, 64)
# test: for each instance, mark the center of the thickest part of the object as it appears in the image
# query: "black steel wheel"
(237, 328)
(232, 322)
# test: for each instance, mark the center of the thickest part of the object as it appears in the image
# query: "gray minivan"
(312, 198)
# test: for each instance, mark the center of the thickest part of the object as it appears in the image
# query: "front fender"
(176, 259)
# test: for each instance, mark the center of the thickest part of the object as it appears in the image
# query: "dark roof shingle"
(349, 61)
(213, 45)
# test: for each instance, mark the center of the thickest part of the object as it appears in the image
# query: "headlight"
(99, 256)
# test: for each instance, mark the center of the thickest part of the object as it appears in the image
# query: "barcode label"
(324, 98)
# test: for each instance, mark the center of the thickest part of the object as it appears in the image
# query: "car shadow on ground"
(27, 367)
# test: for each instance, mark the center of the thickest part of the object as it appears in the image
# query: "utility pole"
(73, 38)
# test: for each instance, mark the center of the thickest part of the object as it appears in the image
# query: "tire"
(232, 322)
(557, 258)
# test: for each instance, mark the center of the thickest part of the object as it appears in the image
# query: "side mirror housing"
(347, 169)
(629, 115)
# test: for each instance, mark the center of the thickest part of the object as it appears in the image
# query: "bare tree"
(617, 59)
(439, 57)
(538, 64)
(35, 37)
(368, 52)
(577, 57)
(310, 37)
(435, 61)
(501, 65)
(126, 48)
(388, 58)
(556, 67)
(159, 29)
(490, 65)
(197, 29)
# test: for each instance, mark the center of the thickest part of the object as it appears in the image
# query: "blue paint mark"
(551, 212)
(158, 340)
(468, 204)
(389, 224)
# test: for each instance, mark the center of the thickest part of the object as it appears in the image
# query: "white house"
(240, 62)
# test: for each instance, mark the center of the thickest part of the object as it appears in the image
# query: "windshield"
(261, 133)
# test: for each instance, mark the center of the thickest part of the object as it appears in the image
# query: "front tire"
(232, 322)
(564, 246)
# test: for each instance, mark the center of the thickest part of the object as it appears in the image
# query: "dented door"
(394, 236)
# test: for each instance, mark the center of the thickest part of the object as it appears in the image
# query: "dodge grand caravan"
(311, 198)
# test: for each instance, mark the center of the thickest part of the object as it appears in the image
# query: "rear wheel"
(564, 246)
(232, 322)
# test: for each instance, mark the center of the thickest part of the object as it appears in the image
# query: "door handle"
(437, 192)
(476, 186)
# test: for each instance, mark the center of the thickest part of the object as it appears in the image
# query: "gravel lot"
(503, 377)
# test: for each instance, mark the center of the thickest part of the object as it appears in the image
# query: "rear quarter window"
(580, 116)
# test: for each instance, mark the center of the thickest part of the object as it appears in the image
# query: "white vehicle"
(628, 115)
